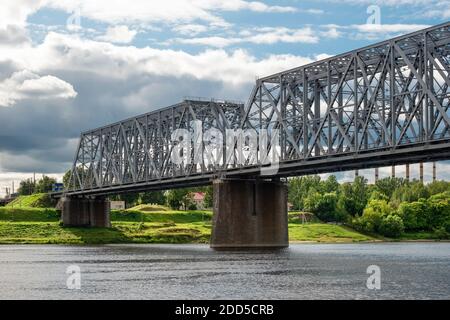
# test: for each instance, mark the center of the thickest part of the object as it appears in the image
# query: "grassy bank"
(42, 226)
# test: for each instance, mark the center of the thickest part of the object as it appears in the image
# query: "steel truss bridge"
(384, 104)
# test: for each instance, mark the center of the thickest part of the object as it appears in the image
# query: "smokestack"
(421, 172)
(434, 171)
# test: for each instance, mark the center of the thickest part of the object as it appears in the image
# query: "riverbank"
(42, 226)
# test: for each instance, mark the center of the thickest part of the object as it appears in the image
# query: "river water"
(304, 271)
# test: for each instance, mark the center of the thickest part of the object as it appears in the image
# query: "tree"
(330, 185)
(45, 185)
(391, 226)
(26, 187)
(66, 178)
(410, 192)
(414, 215)
(437, 187)
(354, 196)
(208, 200)
(324, 206)
(387, 186)
(299, 189)
(154, 197)
(177, 198)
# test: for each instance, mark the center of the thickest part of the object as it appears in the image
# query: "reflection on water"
(304, 271)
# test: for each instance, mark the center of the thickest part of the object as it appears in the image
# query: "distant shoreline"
(42, 226)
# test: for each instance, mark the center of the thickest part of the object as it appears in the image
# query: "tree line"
(30, 186)
(175, 199)
(390, 206)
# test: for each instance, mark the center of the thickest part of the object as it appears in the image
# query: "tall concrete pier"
(249, 214)
(85, 212)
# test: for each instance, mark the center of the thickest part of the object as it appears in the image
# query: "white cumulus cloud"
(28, 85)
(118, 34)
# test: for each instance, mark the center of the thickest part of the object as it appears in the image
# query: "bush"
(391, 226)
(371, 220)
(363, 225)
(441, 233)
(324, 206)
(192, 206)
(373, 216)
(439, 214)
(414, 215)
(447, 226)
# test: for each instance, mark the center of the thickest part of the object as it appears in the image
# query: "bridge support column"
(85, 212)
(249, 214)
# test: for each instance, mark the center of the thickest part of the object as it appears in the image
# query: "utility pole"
(393, 172)
(376, 174)
(407, 172)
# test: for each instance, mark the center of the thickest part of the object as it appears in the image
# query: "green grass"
(28, 215)
(321, 232)
(41, 226)
(420, 235)
(149, 207)
(165, 216)
(38, 200)
(121, 232)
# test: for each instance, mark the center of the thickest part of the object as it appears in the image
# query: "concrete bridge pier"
(85, 212)
(249, 214)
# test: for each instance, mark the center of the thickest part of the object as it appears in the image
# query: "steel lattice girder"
(380, 105)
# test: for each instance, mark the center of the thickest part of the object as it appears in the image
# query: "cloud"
(27, 85)
(265, 35)
(174, 11)
(118, 34)
(371, 32)
(65, 52)
(422, 8)
(388, 28)
(13, 35)
(387, 2)
(15, 12)
(112, 83)
(190, 29)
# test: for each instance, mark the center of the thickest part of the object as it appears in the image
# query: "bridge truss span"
(383, 97)
(381, 105)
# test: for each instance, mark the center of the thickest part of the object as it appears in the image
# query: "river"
(303, 271)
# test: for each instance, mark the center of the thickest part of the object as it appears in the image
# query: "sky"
(71, 65)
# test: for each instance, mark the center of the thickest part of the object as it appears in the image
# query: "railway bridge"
(384, 104)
